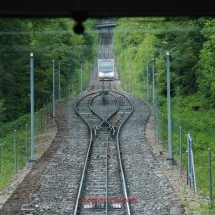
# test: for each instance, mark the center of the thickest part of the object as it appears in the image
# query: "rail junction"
(102, 163)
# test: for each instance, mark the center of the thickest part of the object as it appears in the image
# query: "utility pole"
(168, 109)
(153, 90)
(53, 92)
(147, 81)
(32, 161)
(153, 81)
(59, 88)
(81, 79)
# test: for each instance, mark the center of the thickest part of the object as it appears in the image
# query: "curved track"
(102, 186)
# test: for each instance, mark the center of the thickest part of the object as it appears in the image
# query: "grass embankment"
(15, 144)
(193, 115)
(8, 154)
(196, 118)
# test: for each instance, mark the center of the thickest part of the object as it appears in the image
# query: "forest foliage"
(48, 39)
(190, 42)
(138, 40)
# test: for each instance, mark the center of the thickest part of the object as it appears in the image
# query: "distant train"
(106, 70)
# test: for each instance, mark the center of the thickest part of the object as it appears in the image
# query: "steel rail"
(119, 156)
(107, 175)
(105, 120)
(89, 146)
(107, 146)
(87, 155)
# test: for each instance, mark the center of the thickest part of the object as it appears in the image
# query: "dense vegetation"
(48, 39)
(190, 42)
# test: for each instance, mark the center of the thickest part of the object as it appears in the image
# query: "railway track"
(102, 186)
(86, 175)
(106, 44)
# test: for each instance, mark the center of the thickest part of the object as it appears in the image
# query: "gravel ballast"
(54, 191)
